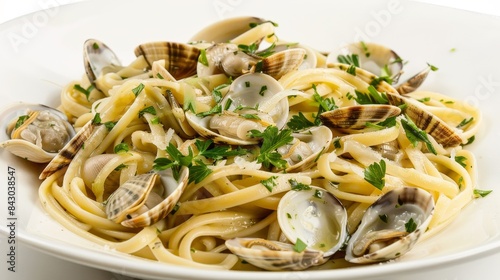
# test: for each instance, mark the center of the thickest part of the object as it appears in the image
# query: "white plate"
(41, 52)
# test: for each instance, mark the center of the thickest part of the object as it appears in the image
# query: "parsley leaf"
(299, 246)
(461, 160)
(415, 134)
(269, 183)
(465, 122)
(410, 226)
(85, 91)
(150, 110)
(349, 59)
(298, 122)
(372, 97)
(375, 174)
(218, 152)
(296, 186)
(198, 172)
(481, 193)
(272, 140)
(20, 121)
(138, 89)
(121, 148)
(203, 57)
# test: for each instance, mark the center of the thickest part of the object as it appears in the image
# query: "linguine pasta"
(232, 200)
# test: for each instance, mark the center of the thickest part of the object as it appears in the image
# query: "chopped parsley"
(481, 193)
(433, 68)
(150, 110)
(217, 109)
(138, 89)
(372, 97)
(461, 160)
(383, 218)
(85, 91)
(269, 183)
(465, 122)
(20, 121)
(97, 119)
(410, 226)
(203, 57)
(121, 148)
(109, 125)
(299, 246)
(296, 186)
(217, 94)
(120, 167)
(217, 152)
(415, 135)
(349, 59)
(272, 140)
(375, 174)
(262, 90)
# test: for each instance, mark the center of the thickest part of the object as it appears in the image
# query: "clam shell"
(225, 30)
(372, 57)
(357, 116)
(126, 204)
(21, 147)
(414, 82)
(273, 255)
(317, 140)
(280, 63)
(96, 57)
(314, 216)
(437, 128)
(383, 234)
(180, 59)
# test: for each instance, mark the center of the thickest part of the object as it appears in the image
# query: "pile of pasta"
(231, 201)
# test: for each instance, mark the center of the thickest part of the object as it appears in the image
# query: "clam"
(310, 216)
(391, 226)
(146, 198)
(35, 132)
(273, 255)
(230, 59)
(180, 59)
(375, 58)
(97, 58)
(357, 116)
(306, 147)
(254, 101)
(228, 29)
(413, 82)
(443, 133)
(310, 59)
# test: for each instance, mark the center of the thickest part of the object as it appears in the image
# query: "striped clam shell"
(180, 59)
(68, 152)
(377, 239)
(280, 63)
(132, 206)
(437, 128)
(273, 255)
(357, 116)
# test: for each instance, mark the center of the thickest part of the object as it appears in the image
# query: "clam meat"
(146, 198)
(391, 226)
(35, 132)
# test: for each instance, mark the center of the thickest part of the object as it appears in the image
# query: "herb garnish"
(20, 121)
(415, 134)
(410, 226)
(481, 193)
(121, 148)
(85, 91)
(138, 89)
(299, 246)
(269, 183)
(375, 174)
(272, 140)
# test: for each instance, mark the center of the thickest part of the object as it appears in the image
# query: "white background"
(39, 266)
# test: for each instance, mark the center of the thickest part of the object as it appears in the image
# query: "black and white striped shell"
(391, 226)
(180, 59)
(274, 255)
(147, 198)
(357, 116)
(34, 132)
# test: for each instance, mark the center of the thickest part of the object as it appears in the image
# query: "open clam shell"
(96, 57)
(357, 116)
(273, 255)
(377, 59)
(306, 147)
(34, 132)
(316, 217)
(391, 226)
(146, 198)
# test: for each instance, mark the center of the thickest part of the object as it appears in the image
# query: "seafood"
(391, 226)
(98, 59)
(375, 58)
(413, 82)
(254, 101)
(147, 198)
(35, 132)
(180, 59)
(306, 147)
(443, 133)
(230, 59)
(311, 216)
(357, 116)
(228, 30)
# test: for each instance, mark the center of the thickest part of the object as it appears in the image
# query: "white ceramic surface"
(41, 52)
